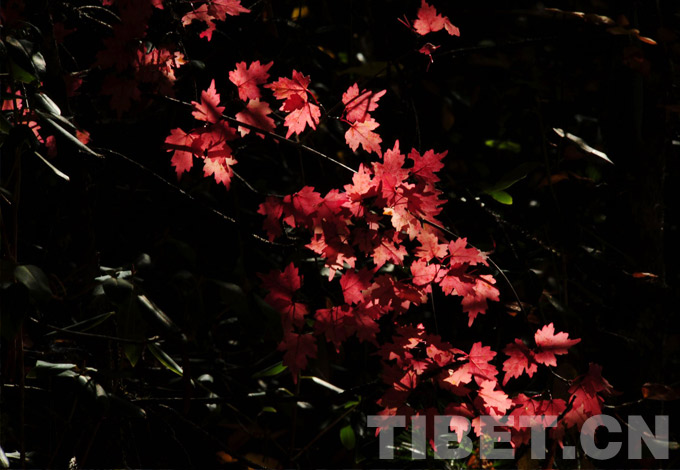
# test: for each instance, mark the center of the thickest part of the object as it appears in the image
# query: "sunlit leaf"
(270, 371)
(4, 461)
(501, 196)
(158, 314)
(582, 144)
(347, 437)
(506, 145)
(165, 359)
(56, 170)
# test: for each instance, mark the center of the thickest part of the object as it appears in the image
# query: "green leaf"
(158, 315)
(56, 170)
(351, 403)
(34, 279)
(271, 371)
(133, 352)
(347, 437)
(501, 196)
(507, 145)
(269, 409)
(43, 368)
(165, 359)
(46, 103)
(25, 64)
(4, 461)
(86, 324)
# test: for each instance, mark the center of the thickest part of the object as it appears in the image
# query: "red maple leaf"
(256, 114)
(220, 168)
(541, 412)
(295, 94)
(298, 119)
(551, 344)
(429, 21)
(298, 349)
(521, 360)
(478, 363)
(361, 133)
(293, 102)
(247, 79)
(303, 207)
(123, 92)
(362, 187)
(459, 376)
(460, 254)
(282, 287)
(336, 323)
(353, 283)
(425, 166)
(477, 303)
(430, 246)
(221, 8)
(208, 109)
(367, 328)
(358, 105)
(390, 174)
(423, 273)
(388, 251)
(496, 399)
(181, 143)
(272, 209)
(586, 396)
(283, 88)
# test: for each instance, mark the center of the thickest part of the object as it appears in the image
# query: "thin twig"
(98, 8)
(252, 188)
(94, 335)
(563, 379)
(189, 196)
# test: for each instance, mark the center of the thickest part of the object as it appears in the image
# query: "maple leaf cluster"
(208, 11)
(429, 21)
(415, 357)
(358, 105)
(351, 232)
(385, 218)
(209, 142)
(389, 206)
(132, 62)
